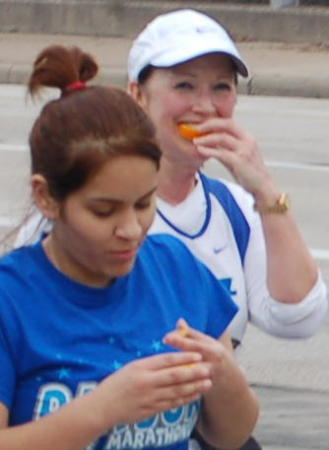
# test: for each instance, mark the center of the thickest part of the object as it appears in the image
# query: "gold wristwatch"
(280, 206)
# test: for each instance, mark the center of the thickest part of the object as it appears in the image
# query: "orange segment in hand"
(183, 330)
(189, 131)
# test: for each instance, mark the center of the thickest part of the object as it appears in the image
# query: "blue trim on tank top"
(205, 223)
(240, 226)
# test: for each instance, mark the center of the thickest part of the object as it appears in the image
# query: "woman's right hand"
(151, 385)
(226, 141)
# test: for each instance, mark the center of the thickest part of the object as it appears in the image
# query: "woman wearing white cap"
(183, 70)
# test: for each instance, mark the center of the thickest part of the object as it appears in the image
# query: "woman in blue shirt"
(108, 339)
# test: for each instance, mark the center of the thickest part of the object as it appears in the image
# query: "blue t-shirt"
(59, 338)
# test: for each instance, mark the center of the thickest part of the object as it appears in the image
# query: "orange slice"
(183, 330)
(189, 131)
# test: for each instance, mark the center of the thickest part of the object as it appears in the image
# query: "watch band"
(280, 206)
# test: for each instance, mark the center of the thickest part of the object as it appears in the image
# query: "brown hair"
(75, 134)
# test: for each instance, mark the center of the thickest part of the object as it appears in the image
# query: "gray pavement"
(300, 70)
(292, 419)
(295, 411)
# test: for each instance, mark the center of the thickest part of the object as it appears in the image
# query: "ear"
(42, 197)
(137, 93)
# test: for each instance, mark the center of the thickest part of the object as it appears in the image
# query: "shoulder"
(170, 262)
(167, 247)
(165, 242)
(16, 267)
(168, 253)
(225, 188)
(14, 259)
(233, 197)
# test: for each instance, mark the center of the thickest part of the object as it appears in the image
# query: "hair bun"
(60, 66)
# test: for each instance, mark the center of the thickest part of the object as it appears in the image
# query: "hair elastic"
(76, 85)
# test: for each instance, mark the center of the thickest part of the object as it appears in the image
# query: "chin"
(121, 270)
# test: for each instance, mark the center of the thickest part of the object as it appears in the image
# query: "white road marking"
(275, 164)
(13, 148)
(7, 222)
(320, 254)
(298, 166)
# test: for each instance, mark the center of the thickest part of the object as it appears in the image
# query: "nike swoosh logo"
(219, 249)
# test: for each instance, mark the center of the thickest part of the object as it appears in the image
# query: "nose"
(204, 103)
(129, 226)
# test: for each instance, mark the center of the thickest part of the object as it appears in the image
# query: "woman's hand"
(238, 151)
(151, 385)
(214, 354)
(229, 409)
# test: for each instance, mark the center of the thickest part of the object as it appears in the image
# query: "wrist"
(279, 204)
(103, 417)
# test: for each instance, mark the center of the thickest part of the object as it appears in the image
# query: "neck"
(52, 253)
(71, 268)
(175, 185)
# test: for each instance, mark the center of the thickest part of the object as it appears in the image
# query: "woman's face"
(101, 226)
(191, 92)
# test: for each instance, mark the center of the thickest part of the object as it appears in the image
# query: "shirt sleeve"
(299, 320)
(221, 307)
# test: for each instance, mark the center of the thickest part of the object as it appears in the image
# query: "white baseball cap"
(179, 36)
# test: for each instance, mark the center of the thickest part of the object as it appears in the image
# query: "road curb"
(266, 84)
(288, 86)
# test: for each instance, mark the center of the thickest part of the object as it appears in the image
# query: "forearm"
(291, 269)
(230, 409)
(71, 427)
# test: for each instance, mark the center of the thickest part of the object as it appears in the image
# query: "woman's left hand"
(213, 351)
(230, 408)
